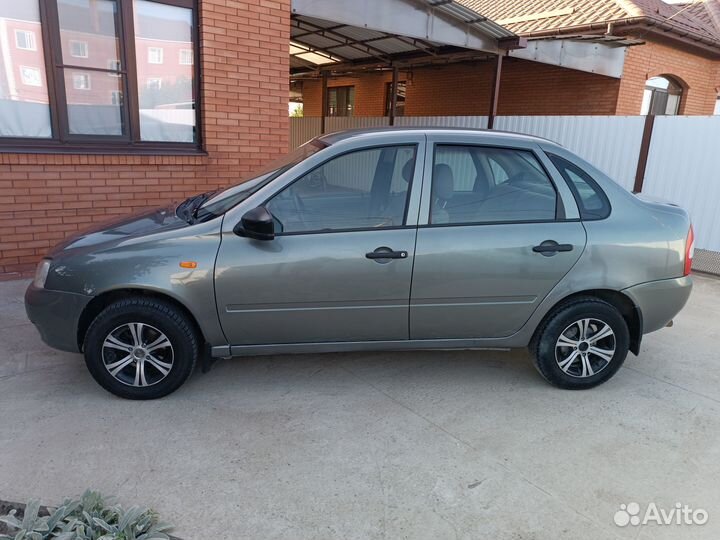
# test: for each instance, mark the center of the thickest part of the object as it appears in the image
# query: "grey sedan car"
(382, 239)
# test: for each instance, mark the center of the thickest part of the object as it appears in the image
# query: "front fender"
(151, 264)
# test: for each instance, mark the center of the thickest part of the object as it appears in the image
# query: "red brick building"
(102, 111)
(111, 106)
(680, 42)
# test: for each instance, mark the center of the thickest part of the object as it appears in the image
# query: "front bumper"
(659, 301)
(56, 315)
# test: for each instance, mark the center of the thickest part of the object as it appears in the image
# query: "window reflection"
(89, 39)
(89, 32)
(93, 107)
(163, 43)
(24, 106)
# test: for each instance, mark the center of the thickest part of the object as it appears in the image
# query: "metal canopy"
(328, 32)
(603, 55)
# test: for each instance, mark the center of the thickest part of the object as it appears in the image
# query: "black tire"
(543, 347)
(158, 316)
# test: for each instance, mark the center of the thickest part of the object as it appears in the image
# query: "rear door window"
(475, 184)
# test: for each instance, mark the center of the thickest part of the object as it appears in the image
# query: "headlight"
(41, 273)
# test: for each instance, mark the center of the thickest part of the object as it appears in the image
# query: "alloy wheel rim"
(137, 354)
(585, 348)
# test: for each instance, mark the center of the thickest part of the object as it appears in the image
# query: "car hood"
(115, 231)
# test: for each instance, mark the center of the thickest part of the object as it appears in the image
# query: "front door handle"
(551, 247)
(386, 253)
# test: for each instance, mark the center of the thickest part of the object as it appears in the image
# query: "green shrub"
(92, 517)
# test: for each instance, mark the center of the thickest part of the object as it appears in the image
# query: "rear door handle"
(386, 253)
(550, 247)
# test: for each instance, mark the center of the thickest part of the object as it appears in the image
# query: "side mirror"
(257, 224)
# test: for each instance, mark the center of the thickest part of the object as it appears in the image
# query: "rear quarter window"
(591, 200)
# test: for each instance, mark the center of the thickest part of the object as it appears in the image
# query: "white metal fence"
(611, 143)
(684, 167)
(683, 164)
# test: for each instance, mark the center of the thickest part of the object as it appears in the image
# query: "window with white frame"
(155, 55)
(662, 95)
(78, 49)
(30, 76)
(25, 40)
(154, 83)
(81, 81)
(186, 57)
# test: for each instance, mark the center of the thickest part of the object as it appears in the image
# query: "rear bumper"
(56, 314)
(660, 301)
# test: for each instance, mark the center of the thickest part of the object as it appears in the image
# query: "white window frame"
(77, 74)
(157, 80)
(156, 50)
(116, 97)
(25, 79)
(29, 38)
(182, 54)
(79, 42)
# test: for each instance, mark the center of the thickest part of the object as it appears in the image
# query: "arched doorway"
(662, 95)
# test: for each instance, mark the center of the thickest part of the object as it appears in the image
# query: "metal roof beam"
(320, 51)
(415, 42)
(313, 32)
(343, 41)
(441, 22)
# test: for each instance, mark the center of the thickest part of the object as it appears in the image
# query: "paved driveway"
(405, 445)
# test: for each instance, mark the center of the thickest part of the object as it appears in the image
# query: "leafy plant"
(92, 517)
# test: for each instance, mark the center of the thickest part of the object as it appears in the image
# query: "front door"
(339, 268)
(495, 244)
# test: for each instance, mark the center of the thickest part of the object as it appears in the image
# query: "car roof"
(337, 136)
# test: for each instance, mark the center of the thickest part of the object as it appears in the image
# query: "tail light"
(689, 251)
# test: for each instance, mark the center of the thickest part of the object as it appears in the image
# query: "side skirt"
(350, 346)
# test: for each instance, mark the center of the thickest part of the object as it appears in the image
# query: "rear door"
(496, 234)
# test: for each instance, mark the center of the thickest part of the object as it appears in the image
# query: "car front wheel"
(581, 345)
(141, 348)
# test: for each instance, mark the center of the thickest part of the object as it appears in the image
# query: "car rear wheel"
(141, 348)
(581, 345)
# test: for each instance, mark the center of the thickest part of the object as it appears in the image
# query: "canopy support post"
(324, 101)
(495, 90)
(393, 95)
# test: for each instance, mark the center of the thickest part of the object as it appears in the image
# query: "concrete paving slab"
(444, 444)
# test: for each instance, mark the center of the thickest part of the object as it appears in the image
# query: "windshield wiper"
(187, 210)
(198, 202)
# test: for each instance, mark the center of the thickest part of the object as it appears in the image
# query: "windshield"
(222, 201)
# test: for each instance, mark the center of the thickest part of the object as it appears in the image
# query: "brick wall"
(699, 73)
(531, 88)
(464, 89)
(244, 95)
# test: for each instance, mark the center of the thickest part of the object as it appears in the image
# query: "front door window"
(366, 189)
